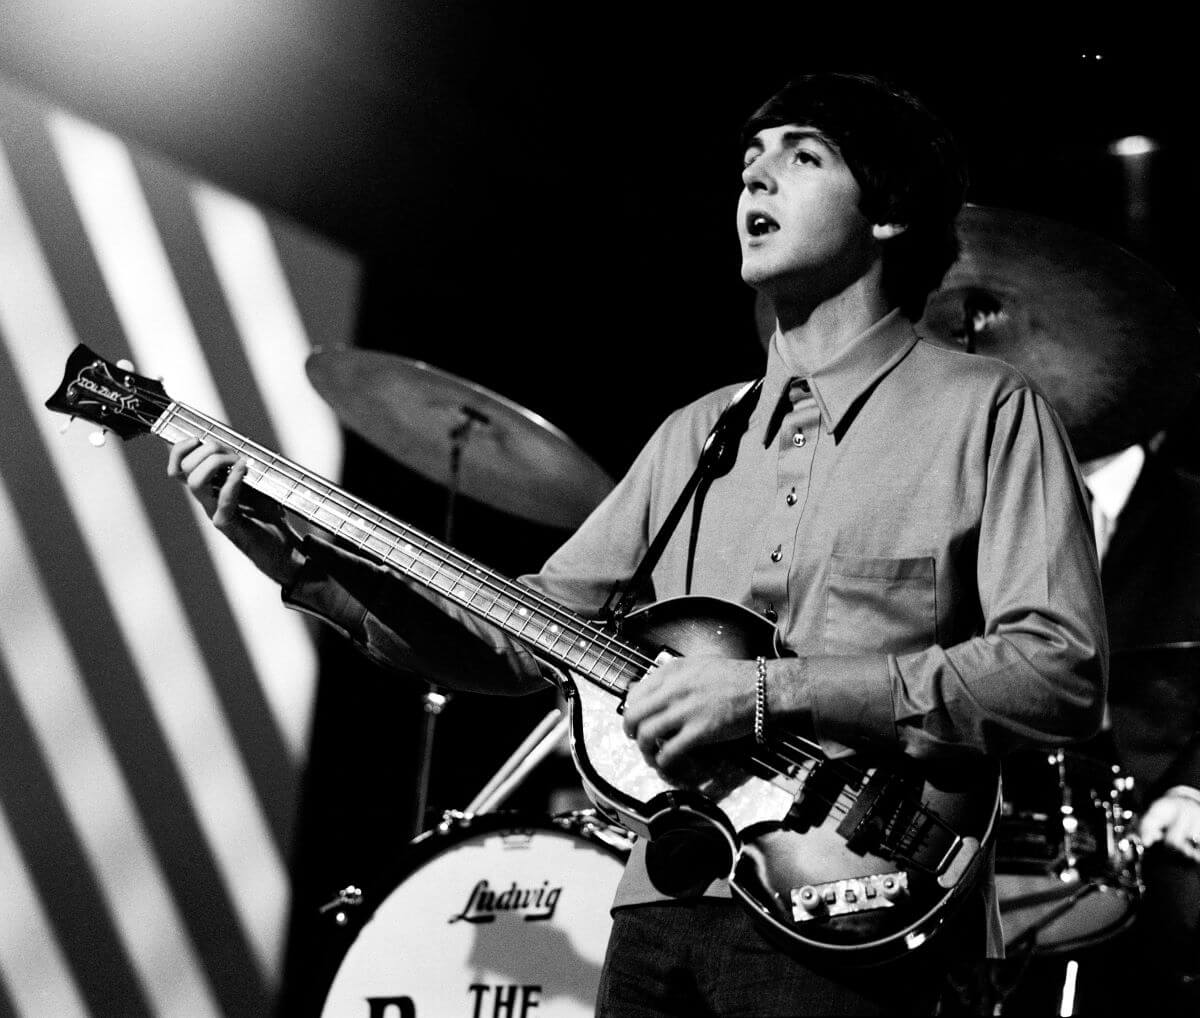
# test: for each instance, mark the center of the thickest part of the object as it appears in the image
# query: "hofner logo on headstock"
(484, 903)
(120, 397)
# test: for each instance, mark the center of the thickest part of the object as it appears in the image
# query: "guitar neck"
(552, 632)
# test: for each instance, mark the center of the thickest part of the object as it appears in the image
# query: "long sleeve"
(409, 629)
(1036, 673)
(400, 627)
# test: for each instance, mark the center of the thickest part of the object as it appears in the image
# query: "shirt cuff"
(312, 592)
(851, 702)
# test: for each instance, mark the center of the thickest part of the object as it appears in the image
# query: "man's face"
(801, 230)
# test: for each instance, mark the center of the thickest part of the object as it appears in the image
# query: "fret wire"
(462, 575)
(603, 644)
(608, 667)
(366, 539)
(165, 420)
(494, 605)
(511, 610)
(478, 590)
(395, 548)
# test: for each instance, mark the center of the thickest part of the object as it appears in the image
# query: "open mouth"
(759, 224)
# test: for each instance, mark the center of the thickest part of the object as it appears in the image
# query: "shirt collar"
(838, 384)
(1111, 479)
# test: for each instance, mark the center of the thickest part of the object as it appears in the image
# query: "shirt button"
(791, 498)
(777, 554)
(798, 439)
(770, 613)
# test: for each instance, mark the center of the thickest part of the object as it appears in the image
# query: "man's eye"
(804, 156)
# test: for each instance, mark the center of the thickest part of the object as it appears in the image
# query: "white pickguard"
(744, 797)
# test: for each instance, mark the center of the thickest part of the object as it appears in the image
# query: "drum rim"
(1062, 944)
(456, 827)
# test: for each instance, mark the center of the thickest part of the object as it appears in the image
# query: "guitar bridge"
(845, 897)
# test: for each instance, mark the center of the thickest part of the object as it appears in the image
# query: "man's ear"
(886, 231)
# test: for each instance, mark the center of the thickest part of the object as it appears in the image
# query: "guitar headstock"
(109, 395)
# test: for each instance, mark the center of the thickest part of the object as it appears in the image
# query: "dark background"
(543, 198)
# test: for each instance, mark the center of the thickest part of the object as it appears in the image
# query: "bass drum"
(1068, 859)
(497, 914)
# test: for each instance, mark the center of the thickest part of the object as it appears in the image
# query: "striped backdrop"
(154, 696)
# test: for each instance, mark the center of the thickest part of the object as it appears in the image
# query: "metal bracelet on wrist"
(760, 702)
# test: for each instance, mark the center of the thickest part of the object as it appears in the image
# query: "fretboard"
(550, 630)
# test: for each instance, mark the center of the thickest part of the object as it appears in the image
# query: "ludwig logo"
(484, 902)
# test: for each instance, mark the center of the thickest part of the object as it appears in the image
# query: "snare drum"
(498, 913)
(1068, 860)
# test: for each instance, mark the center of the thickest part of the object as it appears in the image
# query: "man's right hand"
(256, 525)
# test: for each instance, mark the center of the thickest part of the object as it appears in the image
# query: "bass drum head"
(499, 913)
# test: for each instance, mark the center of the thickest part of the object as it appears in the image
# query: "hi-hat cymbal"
(1097, 330)
(508, 457)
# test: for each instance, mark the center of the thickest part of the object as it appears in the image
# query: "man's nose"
(757, 177)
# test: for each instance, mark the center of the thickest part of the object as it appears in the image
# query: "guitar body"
(612, 767)
(858, 859)
(771, 824)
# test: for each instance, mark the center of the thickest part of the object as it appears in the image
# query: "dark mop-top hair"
(906, 163)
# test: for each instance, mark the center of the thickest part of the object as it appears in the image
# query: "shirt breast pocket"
(880, 604)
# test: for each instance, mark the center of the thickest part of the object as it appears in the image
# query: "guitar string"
(466, 566)
(344, 507)
(327, 494)
(577, 627)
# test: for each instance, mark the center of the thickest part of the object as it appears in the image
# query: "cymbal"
(508, 457)
(1101, 334)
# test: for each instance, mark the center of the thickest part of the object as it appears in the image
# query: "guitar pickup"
(846, 897)
(821, 789)
(873, 813)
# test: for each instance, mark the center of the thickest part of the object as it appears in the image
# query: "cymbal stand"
(538, 744)
(435, 700)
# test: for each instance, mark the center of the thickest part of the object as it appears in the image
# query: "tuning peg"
(66, 424)
(97, 438)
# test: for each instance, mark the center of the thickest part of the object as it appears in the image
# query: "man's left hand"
(1175, 821)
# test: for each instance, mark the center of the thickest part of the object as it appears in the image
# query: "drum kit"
(521, 901)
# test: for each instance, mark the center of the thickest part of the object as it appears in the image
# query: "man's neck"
(813, 336)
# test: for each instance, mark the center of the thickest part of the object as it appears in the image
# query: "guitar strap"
(717, 457)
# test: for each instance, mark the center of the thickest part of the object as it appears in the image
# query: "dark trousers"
(705, 958)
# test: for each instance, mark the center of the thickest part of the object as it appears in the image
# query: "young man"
(909, 517)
